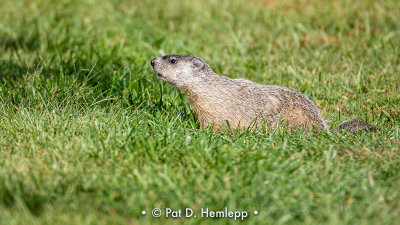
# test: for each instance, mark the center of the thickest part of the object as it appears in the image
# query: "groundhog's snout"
(155, 65)
(152, 62)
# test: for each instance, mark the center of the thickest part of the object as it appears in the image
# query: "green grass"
(88, 135)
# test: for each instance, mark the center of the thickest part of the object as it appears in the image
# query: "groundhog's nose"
(152, 62)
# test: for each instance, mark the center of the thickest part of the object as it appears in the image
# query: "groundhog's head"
(178, 70)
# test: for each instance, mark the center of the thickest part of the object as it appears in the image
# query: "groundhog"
(220, 101)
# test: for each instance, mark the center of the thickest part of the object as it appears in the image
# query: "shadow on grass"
(69, 78)
(23, 40)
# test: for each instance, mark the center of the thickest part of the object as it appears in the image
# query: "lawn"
(89, 135)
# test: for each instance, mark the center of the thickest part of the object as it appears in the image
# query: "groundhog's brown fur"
(218, 100)
(354, 125)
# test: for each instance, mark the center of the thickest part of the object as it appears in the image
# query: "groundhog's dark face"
(177, 70)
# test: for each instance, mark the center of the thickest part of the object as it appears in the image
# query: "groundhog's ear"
(198, 63)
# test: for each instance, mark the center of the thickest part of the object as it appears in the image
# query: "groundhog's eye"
(173, 61)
